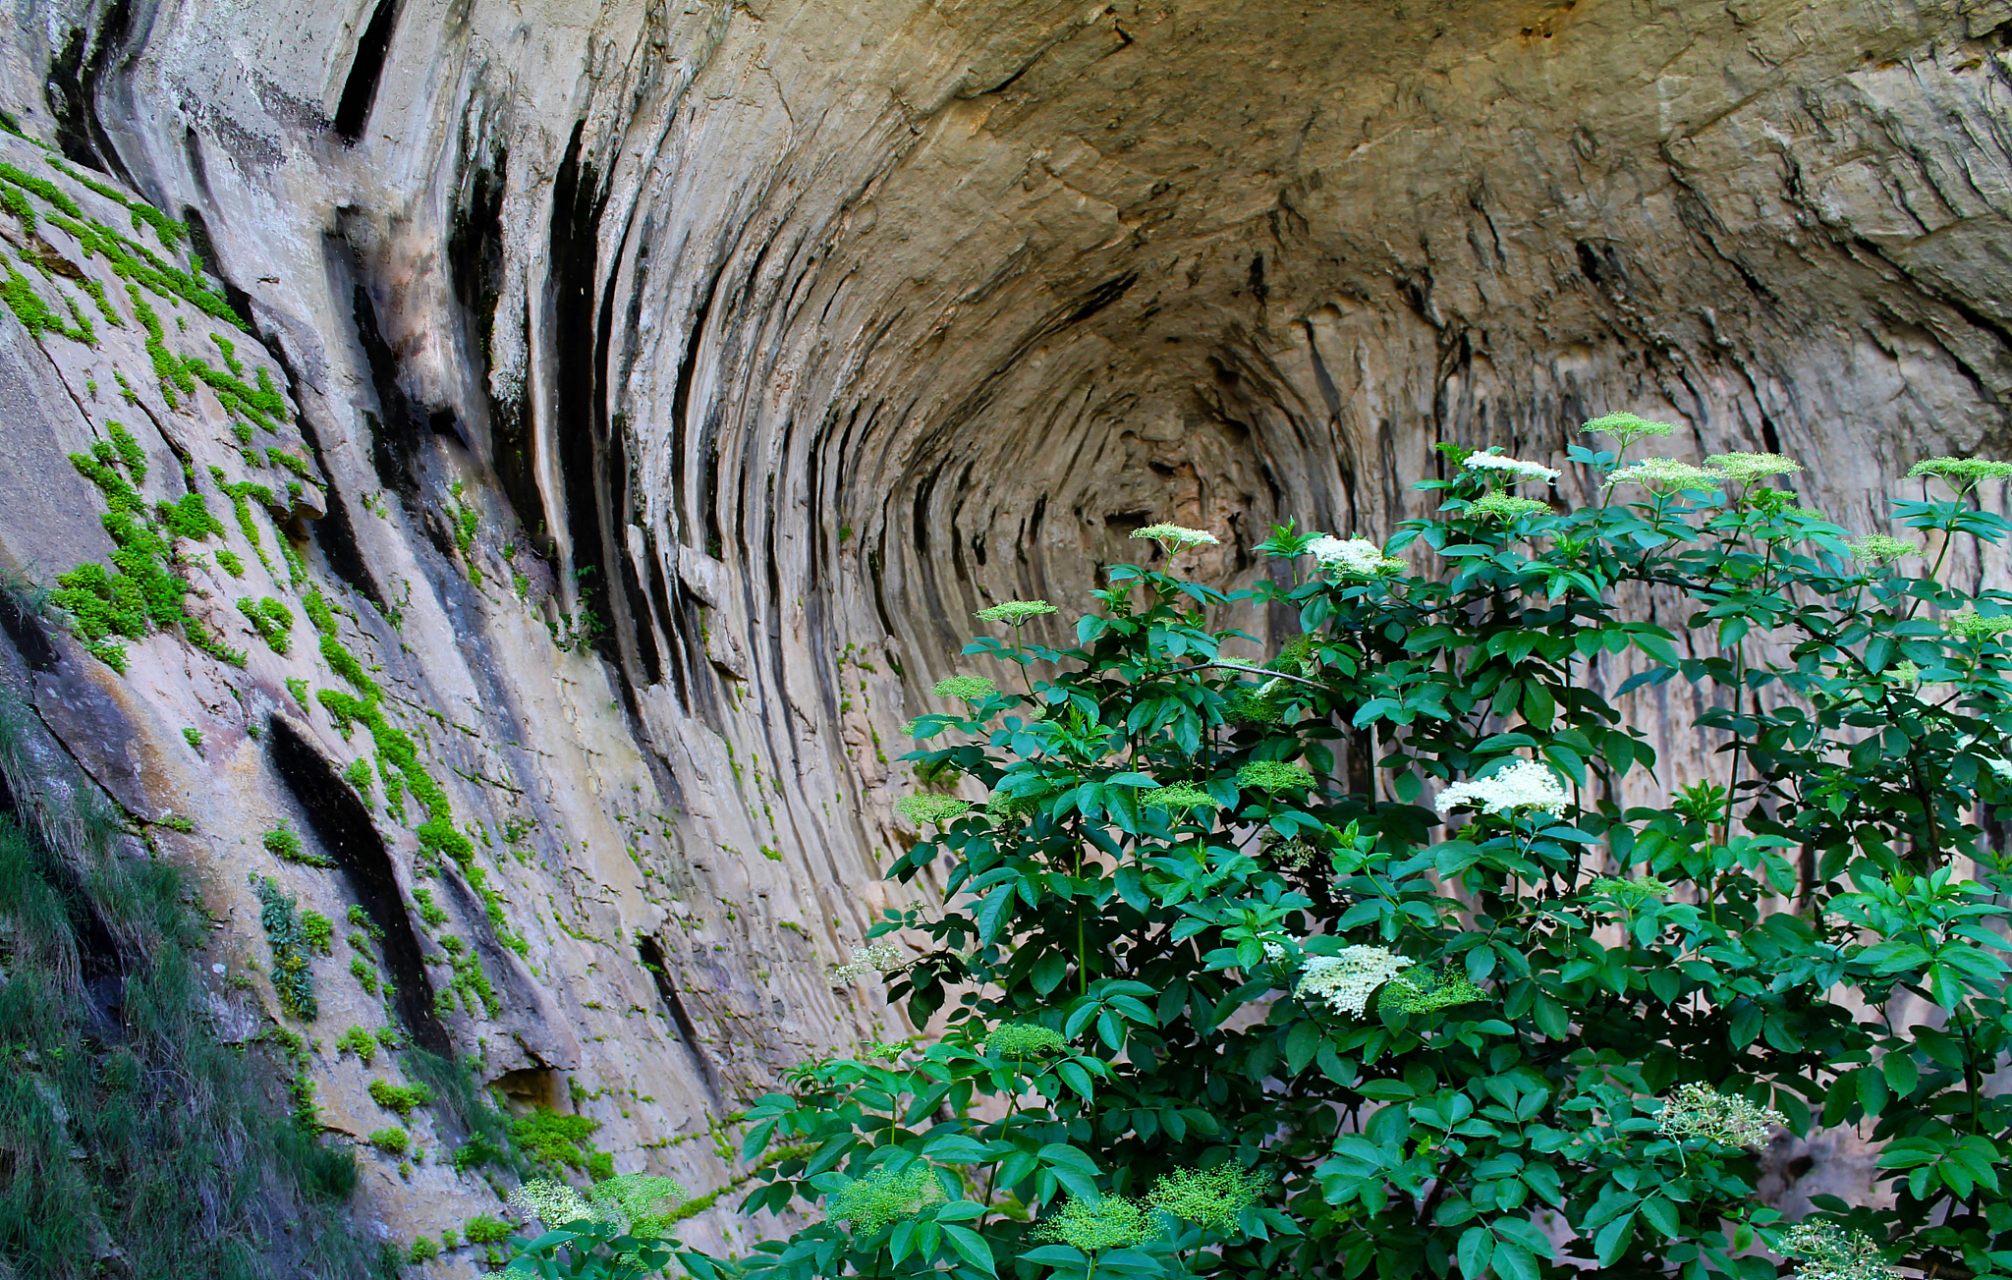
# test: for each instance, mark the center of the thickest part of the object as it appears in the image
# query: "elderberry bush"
(1397, 953)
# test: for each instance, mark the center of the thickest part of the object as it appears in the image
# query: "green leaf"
(1386, 1090)
(971, 1247)
(1901, 1073)
(1475, 1251)
(1513, 1262)
(1301, 1043)
(1661, 1214)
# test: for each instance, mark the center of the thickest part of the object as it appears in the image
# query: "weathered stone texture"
(780, 336)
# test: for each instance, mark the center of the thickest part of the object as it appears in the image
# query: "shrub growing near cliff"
(1318, 1024)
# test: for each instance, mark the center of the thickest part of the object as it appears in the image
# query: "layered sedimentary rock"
(665, 384)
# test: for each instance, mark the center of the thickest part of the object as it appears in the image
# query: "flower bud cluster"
(1826, 1251)
(1700, 1111)
(874, 957)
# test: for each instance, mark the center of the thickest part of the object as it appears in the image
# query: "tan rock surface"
(780, 336)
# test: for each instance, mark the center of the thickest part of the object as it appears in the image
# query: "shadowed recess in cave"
(651, 953)
(343, 827)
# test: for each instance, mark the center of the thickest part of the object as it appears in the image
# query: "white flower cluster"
(1347, 981)
(1510, 470)
(1353, 557)
(552, 1203)
(1522, 786)
(874, 957)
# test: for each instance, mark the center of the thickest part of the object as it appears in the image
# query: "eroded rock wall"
(672, 380)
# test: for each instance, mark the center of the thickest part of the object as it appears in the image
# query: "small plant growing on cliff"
(359, 1042)
(1356, 963)
(318, 931)
(292, 978)
(402, 1098)
(554, 1141)
(392, 1142)
(284, 843)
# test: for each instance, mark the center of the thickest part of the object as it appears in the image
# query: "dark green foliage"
(1526, 1033)
(292, 978)
(590, 1250)
(135, 1135)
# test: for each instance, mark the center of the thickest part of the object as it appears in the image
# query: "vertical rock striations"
(585, 431)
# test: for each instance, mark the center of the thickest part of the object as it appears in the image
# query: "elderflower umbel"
(1961, 472)
(1015, 612)
(1353, 557)
(1879, 548)
(1667, 473)
(1296, 853)
(924, 809)
(1631, 894)
(1743, 468)
(1509, 470)
(636, 1204)
(1213, 1198)
(1021, 1040)
(969, 688)
(1180, 795)
(551, 1203)
(1524, 785)
(1113, 1222)
(1497, 505)
(1407, 995)
(882, 1197)
(874, 957)
(1700, 1111)
(1968, 624)
(1826, 1251)
(1626, 428)
(1174, 538)
(1273, 776)
(1347, 981)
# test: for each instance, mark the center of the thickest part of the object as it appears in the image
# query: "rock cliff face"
(624, 407)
